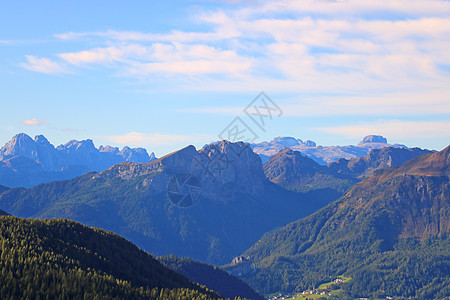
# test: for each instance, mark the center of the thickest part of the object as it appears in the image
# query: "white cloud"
(34, 122)
(161, 58)
(354, 7)
(155, 139)
(105, 55)
(42, 65)
(310, 46)
(395, 129)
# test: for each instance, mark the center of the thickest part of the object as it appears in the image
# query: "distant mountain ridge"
(389, 233)
(27, 162)
(321, 154)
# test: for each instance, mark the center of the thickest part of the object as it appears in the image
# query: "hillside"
(389, 234)
(64, 259)
(210, 276)
(226, 208)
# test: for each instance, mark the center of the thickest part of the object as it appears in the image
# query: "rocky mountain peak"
(286, 141)
(79, 145)
(373, 139)
(138, 155)
(108, 149)
(40, 139)
(37, 161)
(20, 144)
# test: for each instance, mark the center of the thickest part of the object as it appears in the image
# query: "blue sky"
(163, 75)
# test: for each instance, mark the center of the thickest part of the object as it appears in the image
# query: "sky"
(165, 74)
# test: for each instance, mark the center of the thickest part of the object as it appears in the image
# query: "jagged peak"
(21, 137)
(287, 141)
(40, 139)
(373, 139)
(109, 149)
(88, 143)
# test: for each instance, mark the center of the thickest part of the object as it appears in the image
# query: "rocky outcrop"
(240, 266)
(373, 139)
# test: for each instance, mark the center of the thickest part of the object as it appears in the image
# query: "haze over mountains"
(25, 162)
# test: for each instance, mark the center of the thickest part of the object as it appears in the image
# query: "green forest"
(62, 259)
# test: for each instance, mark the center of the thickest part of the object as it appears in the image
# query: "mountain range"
(294, 171)
(209, 205)
(321, 154)
(389, 235)
(25, 162)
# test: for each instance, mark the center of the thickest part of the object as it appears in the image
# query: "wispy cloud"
(34, 122)
(349, 48)
(43, 65)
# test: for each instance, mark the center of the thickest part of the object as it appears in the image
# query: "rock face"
(27, 162)
(240, 266)
(373, 139)
(235, 204)
(321, 154)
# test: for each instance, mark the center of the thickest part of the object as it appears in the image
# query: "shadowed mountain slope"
(212, 277)
(389, 233)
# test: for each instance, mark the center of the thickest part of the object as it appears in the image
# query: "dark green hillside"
(389, 234)
(210, 276)
(3, 213)
(62, 259)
